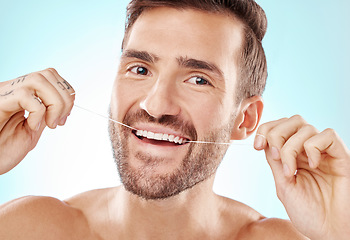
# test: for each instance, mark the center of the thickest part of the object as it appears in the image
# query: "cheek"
(205, 114)
(208, 118)
(211, 114)
(123, 98)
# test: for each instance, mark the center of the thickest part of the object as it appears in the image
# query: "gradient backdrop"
(307, 47)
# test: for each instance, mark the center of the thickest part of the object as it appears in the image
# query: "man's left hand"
(312, 175)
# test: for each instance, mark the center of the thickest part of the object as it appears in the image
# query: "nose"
(161, 100)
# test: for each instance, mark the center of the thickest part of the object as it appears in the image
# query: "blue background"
(307, 47)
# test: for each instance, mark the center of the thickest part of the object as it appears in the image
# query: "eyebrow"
(200, 65)
(182, 61)
(142, 55)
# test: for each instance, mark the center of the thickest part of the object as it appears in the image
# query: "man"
(190, 71)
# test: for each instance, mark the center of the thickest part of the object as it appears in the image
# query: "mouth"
(160, 138)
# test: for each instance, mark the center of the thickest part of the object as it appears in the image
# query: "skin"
(316, 199)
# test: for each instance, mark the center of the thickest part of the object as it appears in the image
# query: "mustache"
(171, 121)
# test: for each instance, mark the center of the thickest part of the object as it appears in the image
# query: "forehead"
(172, 33)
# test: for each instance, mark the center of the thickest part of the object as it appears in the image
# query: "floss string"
(120, 123)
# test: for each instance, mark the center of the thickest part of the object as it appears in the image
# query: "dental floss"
(209, 142)
(203, 142)
(110, 119)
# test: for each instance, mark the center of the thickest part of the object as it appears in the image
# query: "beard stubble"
(200, 162)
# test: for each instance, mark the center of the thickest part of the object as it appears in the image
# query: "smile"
(160, 137)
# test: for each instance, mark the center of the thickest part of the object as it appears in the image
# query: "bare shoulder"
(253, 225)
(92, 198)
(95, 206)
(35, 217)
(271, 228)
(94, 202)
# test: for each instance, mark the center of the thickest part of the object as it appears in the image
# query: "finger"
(62, 83)
(293, 147)
(36, 134)
(16, 90)
(330, 143)
(17, 102)
(260, 141)
(278, 135)
(275, 134)
(31, 104)
(64, 89)
(50, 97)
(36, 110)
(276, 168)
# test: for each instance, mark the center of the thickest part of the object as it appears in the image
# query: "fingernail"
(38, 126)
(63, 121)
(55, 124)
(259, 141)
(311, 164)
(275, 153)
(286, 170)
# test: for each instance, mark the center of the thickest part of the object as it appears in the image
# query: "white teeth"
(160, 136)
(165, 137)
(144, 133)
(171, 138)
(150, 135)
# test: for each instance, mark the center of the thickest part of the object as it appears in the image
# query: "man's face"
(176, 82)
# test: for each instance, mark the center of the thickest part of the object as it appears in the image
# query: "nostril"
(143, 107)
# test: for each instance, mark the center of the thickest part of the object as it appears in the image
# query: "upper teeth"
(160, 136)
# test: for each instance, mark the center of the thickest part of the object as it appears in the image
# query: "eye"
(139, 70)
(198, 81)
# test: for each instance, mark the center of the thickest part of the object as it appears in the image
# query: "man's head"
(251, 59)
(179, 76)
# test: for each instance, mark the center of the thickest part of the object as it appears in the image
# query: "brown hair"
(252, 61)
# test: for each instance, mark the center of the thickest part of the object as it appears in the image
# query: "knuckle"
(332, 134)
(37, 110)
(38, 77)
(55, 112)
(266, 127)
(47, 73)
(308, 144)
(298, 118)
(51, 70)
(330, 131)
(288, 151)
(273, 134)
(308, 128)
(262, 129)
(283, 119)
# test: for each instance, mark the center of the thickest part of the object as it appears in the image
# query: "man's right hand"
(48, 99)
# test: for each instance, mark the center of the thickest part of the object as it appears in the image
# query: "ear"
(247, 117)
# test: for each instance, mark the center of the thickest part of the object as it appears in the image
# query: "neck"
(187, 214)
